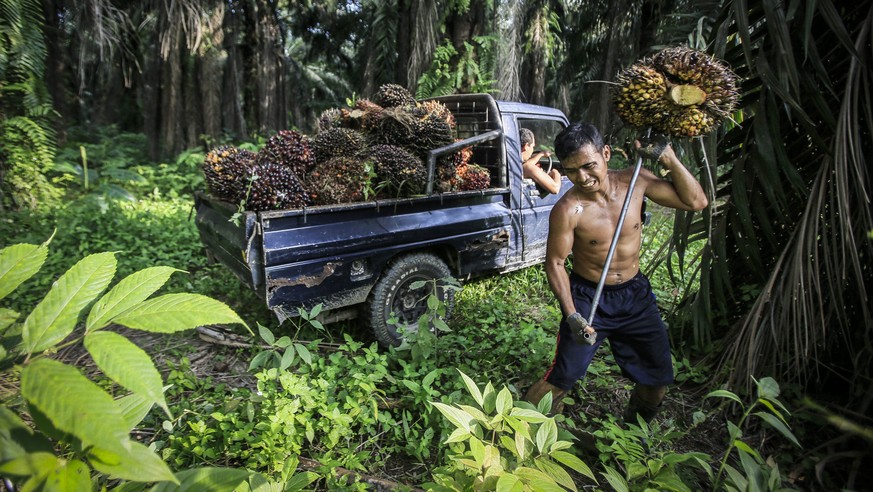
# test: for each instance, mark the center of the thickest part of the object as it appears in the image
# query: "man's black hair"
(576, 136)
(526, 136)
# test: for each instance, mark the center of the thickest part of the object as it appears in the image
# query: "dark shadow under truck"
(360, 259)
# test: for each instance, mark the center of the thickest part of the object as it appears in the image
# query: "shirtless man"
(583, 222)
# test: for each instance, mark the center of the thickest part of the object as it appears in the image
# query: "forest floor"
(223, 358)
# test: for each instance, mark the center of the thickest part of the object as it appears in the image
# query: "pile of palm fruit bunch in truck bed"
(376, 149)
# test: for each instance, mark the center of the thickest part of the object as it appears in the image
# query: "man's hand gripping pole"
(580, 329)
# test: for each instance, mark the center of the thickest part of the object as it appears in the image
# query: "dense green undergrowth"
(351, 405)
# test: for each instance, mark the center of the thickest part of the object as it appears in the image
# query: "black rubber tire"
(392, 294)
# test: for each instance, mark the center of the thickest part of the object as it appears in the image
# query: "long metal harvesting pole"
(612, 246)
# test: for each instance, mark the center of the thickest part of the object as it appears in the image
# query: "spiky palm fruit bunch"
(431, 129)
(448, 167)
(271, 186)
(393, 95)
(330, 118)
(223, 168)
(394, 126)
(338, 142)
(365, 115)
(436, 108)
(473, 177)
(678, 91)
(403, 172)
(341, 179)
(291, 149)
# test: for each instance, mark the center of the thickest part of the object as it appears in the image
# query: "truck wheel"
(393, 294)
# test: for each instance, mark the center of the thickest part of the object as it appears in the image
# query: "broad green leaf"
(573, 462)
(74, 404)
(555, 471)
(772, 408)
(559, 445)
(472, 388)
(547, 434)
(134, 407)
(458, 435)
(139, 464)
(509, 483)
(73, 476)
(7, 317)
(266, 334)
(504, 401)
(724, 394)
(768, 388)
(526, 415)
(126, 364)
(537, 480)
(477, 449)
(200, 479)
(55, 316)
(757, 481)
(18, 263)
(737, 478)
(29, 464)
(303, 352)
(316, 310)
(476, 414)
(733, 431)
(132, 290)
(545, 403)
(490, 398)
(259, 360)
(520, 446)
(300, 480)
(748, 449)
(287, 358)
(669, 481)
(171, 313)
(779, 426)
(456, 416)
(284, 342)
(17, 439)
(615, 479)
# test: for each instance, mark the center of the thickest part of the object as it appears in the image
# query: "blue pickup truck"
(359, 260)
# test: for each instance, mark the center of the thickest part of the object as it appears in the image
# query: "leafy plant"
(505, 445)
(284, 350)
(758, 473)
(90, 429)
(644, 458)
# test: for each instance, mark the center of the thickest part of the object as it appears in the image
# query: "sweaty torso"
(594, 223)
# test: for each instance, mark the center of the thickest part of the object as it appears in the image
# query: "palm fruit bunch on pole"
(403, 172)
(223, 169)
(271, 185)
(341, 179)
(336, 142)
(291, 149)
(678, 91)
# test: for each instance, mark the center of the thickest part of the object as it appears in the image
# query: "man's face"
(527, 150)
(586, 168)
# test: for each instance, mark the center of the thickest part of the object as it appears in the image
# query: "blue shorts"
(628, 316)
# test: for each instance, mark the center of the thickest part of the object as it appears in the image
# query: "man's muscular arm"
(683, 191)
(558, 247)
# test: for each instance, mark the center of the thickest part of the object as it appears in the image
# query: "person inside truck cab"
(549, 181)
